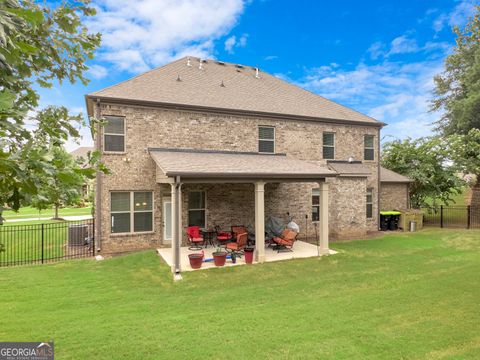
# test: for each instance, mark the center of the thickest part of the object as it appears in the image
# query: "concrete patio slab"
(301, 249)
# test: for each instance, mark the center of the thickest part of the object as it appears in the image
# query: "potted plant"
(195, 260)
(248, 251)
(219, 257)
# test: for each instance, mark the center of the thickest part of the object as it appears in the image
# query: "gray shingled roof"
(227, 86)
(350, 169)
(392, 177)
(212, 164)
(81, 152)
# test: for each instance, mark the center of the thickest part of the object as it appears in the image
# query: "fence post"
(93, 237)
(468, 216)
(43, 241)
(441, 216)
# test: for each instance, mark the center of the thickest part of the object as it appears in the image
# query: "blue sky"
(378, 57)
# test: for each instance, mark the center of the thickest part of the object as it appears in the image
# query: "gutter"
(207, 109)
(98, 187)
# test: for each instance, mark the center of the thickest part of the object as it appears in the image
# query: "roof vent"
(189, 62)
(239, 66)
(222, 84)
(220, 63)
(256, 73)
(200, 64)
(178, 78)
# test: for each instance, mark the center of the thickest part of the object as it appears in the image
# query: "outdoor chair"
(194, 237)
(285, 241)
(238, 229)
(238, 246)
(223, 237)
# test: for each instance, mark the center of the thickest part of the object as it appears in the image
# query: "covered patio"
(301, 250)
(177, 167)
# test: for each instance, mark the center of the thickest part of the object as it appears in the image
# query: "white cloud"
(459, 16)
(97, 71)
(403, 45)
(270, 57)
(137, 35)
(232, 43)
(396, 93)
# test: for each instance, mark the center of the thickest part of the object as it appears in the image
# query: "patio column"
(180, 227)
(260, 220)
(323, 220)
(174, 225)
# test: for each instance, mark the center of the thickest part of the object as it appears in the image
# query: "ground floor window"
(196, 208)
(315, 204)
(369, 203)
(131, 211)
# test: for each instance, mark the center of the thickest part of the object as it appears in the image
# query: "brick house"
(209, 143)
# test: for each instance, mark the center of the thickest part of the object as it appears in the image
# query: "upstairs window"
(114, 134)
(368, 147)
(328, 145)
(266, 139)
(369, 203)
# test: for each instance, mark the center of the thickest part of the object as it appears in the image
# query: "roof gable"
(227, 86)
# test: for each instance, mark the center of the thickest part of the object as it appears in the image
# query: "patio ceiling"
(205, 164)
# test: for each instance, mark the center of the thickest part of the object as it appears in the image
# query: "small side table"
(208, 236)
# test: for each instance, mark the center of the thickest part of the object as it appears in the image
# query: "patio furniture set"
(231, 244)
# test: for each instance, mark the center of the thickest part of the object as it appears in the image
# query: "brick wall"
(393, 196)
(233, 204)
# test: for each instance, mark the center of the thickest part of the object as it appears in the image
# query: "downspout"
(98, 185)
(178, 222)
(379, 183)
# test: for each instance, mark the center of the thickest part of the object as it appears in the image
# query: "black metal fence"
(42, 243)
(467, 217)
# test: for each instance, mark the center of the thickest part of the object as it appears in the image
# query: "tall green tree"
(457, 89)
(424, 161)
(40, 43)
(457, 94)
(63, 186)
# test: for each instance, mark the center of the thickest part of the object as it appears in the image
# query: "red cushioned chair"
(240, 243)
(194, 237)
(238, 229)
(285, 242)
(223, 237)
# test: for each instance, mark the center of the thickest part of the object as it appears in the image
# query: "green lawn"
(29, 212)
(402, 296)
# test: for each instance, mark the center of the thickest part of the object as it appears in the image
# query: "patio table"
(208, 236)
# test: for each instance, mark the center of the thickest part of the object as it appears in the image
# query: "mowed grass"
(32, 213)
(402, 296)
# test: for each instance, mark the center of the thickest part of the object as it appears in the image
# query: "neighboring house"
(81, 154)
(225, 144)
(394, 190)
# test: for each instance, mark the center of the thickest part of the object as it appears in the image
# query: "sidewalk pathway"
(71, 218)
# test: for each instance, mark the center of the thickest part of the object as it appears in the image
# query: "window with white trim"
(315, 204)
(131, 211)
(114, 134)
(369, 203)
(266, 139)
(196, 208)
(328, 145)
(368, 147)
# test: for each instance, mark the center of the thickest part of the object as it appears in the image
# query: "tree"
(39, 44)
(63, 185)
(424, 161)
(457, 94)
(457, 89)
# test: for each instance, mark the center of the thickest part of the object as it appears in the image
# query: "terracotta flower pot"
(195, 260)
(248, 255)
(219, 258)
